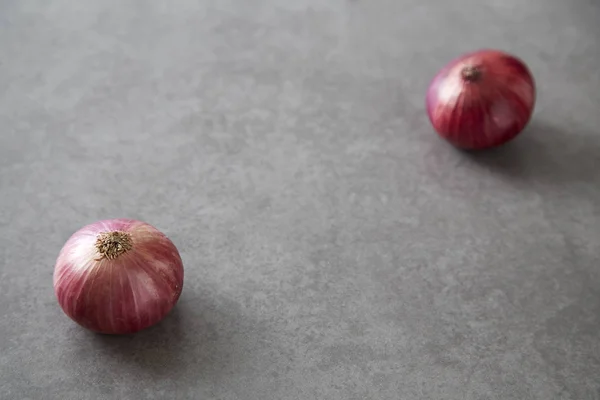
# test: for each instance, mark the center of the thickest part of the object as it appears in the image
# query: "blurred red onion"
(481, 99)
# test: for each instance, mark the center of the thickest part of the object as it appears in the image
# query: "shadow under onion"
(545, 154)
(198, 337)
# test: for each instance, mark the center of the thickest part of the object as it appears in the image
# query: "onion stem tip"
(471, 73)
(111, 245)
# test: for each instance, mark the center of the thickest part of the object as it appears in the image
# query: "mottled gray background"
(334, 247)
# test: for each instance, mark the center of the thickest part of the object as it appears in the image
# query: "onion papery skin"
(122, 292)
(481, 99)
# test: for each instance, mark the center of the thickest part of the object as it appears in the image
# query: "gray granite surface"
(334, 246)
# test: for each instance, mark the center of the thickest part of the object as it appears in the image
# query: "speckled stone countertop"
(334, 246)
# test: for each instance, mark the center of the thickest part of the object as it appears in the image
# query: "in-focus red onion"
(481, 99)
(118, 276)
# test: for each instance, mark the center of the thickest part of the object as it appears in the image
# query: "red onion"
(118, 276)
(481, 99)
